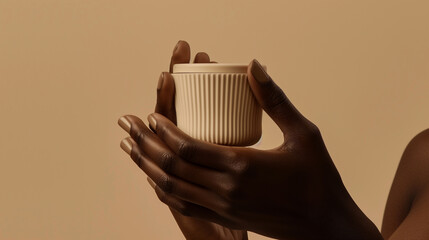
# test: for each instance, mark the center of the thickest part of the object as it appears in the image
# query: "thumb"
(166, 90)
(165, 104)
(271, 98)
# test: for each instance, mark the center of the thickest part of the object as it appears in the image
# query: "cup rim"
(211, 68)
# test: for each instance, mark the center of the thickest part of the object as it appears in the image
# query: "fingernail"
(152, 122)
(258, 72)
(151, 182)
(160, 81)
(125, 124)
(127, 145)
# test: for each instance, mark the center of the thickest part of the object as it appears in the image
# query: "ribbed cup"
(218, 108)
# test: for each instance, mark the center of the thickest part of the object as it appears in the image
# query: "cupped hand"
(291, 192)
(191, 227)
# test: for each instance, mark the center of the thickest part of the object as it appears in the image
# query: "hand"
(291, 192)
(192, 228)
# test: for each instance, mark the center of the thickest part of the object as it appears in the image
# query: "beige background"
(70, 69)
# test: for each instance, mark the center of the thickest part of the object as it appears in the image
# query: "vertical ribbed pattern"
(218, 108)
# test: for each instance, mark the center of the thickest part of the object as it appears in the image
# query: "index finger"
(190, 149)
(181, 54)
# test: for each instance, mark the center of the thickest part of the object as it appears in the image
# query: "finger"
(165, 102)
(202, 57)
(176, 186)
(271, 98)
(155, 149)
(181, 54)
(151, 182)
(127, 145)
(189, 209)
(189, 149)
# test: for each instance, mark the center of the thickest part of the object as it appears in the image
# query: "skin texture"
(407, 210)
(293, 191)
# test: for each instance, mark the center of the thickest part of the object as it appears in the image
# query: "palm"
(192, 228)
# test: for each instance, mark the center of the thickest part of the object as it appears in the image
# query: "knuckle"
(166, 184)
(140, 137)
(184, 210)
(185, 149)
(311, 133)
(241, 167)
(230, 155)
(232, 192)
(278, 98)
(314, 131)
(305, 136)
(166, 161)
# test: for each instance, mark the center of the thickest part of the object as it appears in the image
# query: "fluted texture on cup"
(218, 108)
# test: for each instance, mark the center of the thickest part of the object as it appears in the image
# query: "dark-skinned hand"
(191, 227)
(290, 192)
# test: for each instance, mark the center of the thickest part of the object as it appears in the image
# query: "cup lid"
(211, 68)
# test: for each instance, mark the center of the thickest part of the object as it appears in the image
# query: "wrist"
(346, 221)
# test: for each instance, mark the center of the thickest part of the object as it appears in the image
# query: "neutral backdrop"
(70, 69)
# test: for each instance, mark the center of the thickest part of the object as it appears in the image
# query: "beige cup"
(214, 103)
